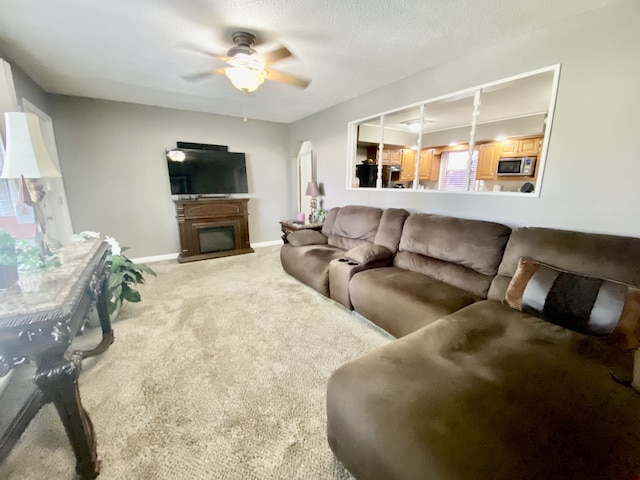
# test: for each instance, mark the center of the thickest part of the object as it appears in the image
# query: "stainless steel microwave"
(516, 167)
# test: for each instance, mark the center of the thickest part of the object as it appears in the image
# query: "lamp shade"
(26, 154)
(312, 190)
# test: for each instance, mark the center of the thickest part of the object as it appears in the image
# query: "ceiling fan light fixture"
(245, 79)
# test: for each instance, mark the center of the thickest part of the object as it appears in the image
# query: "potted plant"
(320, 215)
(8, 260)
(124, 275)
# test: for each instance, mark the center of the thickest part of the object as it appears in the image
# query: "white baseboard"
(266, 244)
(155, 258)
(173, 256)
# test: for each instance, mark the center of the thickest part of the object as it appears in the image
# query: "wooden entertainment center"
(212, 227)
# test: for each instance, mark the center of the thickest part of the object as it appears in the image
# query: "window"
(7, 208)
(453, 174)
(6, 201)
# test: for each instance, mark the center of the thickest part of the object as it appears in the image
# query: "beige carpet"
(219, 373)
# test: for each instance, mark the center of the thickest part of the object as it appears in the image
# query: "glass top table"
(39, 317)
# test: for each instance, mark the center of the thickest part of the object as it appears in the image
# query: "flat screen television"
(206, 172)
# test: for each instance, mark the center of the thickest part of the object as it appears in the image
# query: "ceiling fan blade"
(276, 55)
(276, 76)
(197, 77)
(203, 51)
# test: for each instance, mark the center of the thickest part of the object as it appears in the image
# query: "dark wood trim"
(203, 213)
(45, 331)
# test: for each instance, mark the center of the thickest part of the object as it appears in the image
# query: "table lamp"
(313, 191)
(26, 157)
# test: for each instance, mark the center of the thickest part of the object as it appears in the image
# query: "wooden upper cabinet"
(530, 146)
(488, 160)
(408, 165)
(389, 157)
(509, 148)
(522, 147)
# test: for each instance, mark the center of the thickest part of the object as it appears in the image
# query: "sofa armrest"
(366, 254)
(306, 237)
(360, 258)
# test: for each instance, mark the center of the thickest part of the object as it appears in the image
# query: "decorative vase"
(94, 321)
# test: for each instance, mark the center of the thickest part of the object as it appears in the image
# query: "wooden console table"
(41, 324)
(213, 227)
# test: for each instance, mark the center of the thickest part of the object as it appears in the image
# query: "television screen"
(206, 172)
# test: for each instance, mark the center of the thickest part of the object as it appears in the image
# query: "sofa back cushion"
(353, 225)
(329, 220)
(608, 257)
(461, 252)
(390, 229)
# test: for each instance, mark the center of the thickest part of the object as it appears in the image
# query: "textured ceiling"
(138, 51)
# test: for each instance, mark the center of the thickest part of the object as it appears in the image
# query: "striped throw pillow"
(590, 305)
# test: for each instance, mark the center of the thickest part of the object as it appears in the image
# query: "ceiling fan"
(247, 69)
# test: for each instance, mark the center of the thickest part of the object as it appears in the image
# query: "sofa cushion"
(310, 264)
(329, 220)
(306, 237)
(369, 253)
(390, 229)
(474, 244)
(486, 393)
(354, 225)
(461, 252)
(595, 255)
(401, 301)
(585, 304)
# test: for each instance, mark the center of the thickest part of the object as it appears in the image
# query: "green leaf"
(115, 279)
(116, 260)
(130, 295)
(146, 269)
(116, 292)
(111, 306)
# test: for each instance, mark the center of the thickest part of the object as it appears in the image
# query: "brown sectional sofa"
(308, 254)
(442, 265)
(476, 388)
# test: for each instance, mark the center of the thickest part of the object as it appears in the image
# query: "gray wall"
(113, 162)
(593, 167)
(112, 154)
(27, 88)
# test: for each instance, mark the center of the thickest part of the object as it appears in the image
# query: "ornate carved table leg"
(57, 377)
(105, 322)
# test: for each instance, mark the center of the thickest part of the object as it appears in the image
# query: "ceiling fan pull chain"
(244, 106)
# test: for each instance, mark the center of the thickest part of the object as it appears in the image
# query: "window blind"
(454, 170)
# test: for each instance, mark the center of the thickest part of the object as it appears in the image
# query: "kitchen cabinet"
(489, 153)
(522, 147)
(389, 156)
(429, 165)
(488, 160)
(408, 165)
